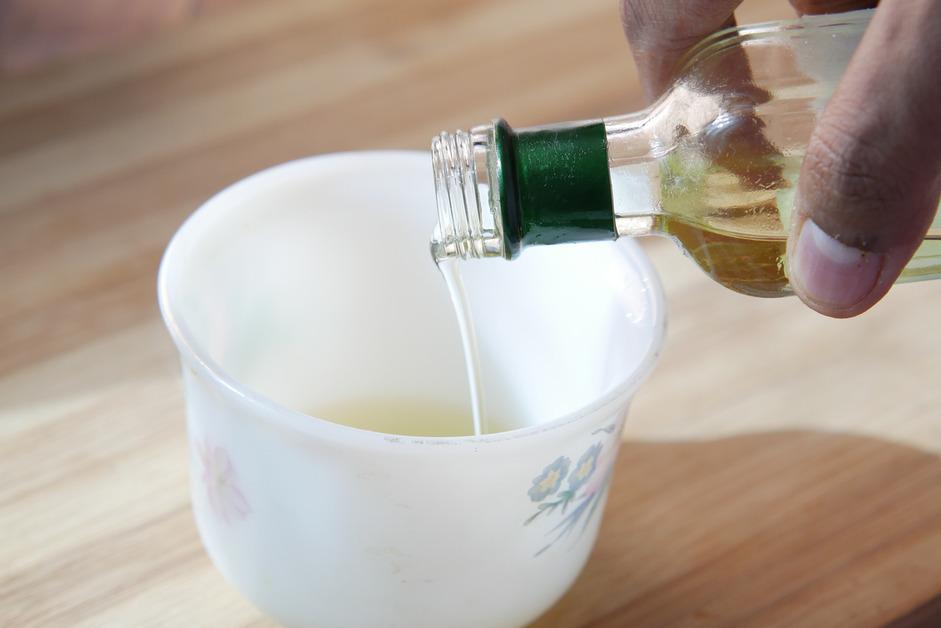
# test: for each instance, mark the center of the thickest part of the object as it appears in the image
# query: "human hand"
(871, 179)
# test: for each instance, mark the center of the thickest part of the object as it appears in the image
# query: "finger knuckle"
(640, 21)
(670, 27)
(851, 170)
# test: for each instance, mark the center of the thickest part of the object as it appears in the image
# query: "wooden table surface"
(781, 468)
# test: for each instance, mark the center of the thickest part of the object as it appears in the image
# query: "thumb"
(871, 179)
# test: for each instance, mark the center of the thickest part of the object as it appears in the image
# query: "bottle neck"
(499, 190)
(632, 151)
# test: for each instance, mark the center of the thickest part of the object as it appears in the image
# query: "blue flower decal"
(584, 467)
(578, 503)
(548, 482)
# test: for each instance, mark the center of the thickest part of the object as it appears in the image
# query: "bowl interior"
(312, 284)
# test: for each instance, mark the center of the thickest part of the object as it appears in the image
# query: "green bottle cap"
(554, 184)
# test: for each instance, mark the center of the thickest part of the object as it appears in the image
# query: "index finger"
(662, 32)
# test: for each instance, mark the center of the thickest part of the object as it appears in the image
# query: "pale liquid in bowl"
(406, 417)
(411, 417)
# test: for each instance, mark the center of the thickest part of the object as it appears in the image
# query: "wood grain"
(781, 468)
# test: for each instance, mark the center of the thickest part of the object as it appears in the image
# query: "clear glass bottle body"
(713, 164)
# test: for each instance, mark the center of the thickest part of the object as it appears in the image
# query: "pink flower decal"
(221, 482)
(602, 476)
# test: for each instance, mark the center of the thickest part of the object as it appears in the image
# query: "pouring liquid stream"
(451, 272)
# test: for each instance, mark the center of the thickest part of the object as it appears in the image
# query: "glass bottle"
(712, 164)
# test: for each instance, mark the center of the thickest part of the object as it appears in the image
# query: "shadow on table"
(782, 528)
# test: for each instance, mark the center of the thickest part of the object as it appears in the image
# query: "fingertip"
(831, 277)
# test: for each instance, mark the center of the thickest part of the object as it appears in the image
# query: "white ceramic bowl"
(310, 285)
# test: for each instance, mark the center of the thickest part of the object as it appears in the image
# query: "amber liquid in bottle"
(731, 227)
(751, 266)
(735, 226)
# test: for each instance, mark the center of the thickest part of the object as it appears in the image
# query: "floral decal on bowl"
(221, 483)
(584, 467)
(549, 481)
(586, 483)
